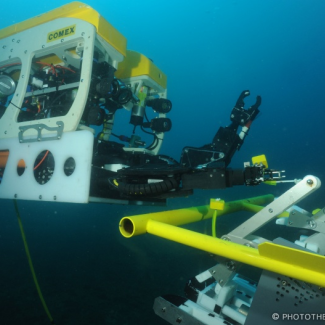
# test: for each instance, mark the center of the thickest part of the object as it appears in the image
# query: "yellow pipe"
(291, 262)
(136, 225)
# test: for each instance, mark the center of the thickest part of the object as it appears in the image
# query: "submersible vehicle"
(64, 77)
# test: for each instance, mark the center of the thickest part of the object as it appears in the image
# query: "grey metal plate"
(289, 299)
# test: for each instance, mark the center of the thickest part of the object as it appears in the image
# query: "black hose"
(150, 189)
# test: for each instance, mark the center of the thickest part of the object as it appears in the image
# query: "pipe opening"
(126, 227)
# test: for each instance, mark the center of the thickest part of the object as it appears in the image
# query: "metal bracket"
(39, 128)
(314, 222)
(299, 191)
(224, 271)
(173, 314)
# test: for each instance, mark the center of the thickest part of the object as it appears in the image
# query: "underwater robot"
(64, 76)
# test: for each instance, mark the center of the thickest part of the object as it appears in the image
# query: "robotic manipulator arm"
(209, 163)
(145, 177)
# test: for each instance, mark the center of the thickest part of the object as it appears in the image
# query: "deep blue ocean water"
(210, 52)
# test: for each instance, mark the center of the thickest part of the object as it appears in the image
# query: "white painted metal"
(61, 188)
(32, 43)
(305, 187)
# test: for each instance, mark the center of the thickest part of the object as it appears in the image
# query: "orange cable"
(41, 160)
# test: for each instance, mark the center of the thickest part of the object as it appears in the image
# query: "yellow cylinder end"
(126, 227)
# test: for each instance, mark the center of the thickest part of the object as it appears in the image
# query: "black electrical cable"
(58, 97)
(16, 106)
(169, 158)
(155, 142)
(150, 189)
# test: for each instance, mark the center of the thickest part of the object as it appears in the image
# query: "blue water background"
(210, 52)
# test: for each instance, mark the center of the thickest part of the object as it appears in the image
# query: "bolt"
(15, 196)
(54, 197)
(231, 265)
(163, 309)
(40, 197)
(270, 210)
(290, 223)
(284, 283)
(311, 224)
(310, 182)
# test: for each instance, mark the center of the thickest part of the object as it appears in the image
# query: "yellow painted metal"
(270, 183)
(136, 225)
(217, 204)
(77, 10)
(260, 159)
(136, 64)
(291, 262)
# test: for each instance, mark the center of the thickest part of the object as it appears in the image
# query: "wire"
(31, 264)
(154, 144)
(41, 160)
(146, 117)
(10, 65)
(169, 158)
(214, 222)
(49, 65)
(16, 106)
(62, 67)
(58, 97)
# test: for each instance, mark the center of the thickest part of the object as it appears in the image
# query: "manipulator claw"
(254, 175)
(240, 116)
(258, 173)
